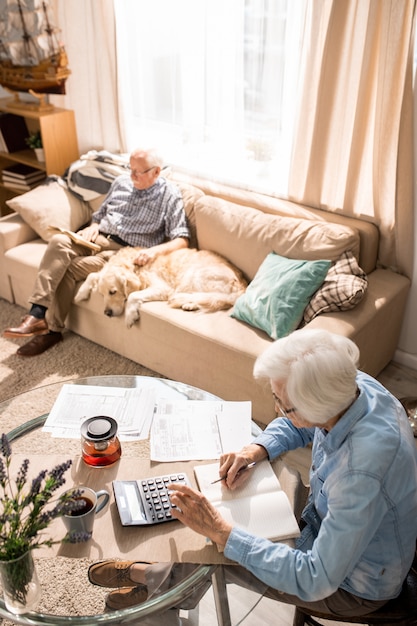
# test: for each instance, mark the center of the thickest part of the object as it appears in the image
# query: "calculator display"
(133, 502)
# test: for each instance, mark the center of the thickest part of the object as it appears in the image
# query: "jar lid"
(99, 428)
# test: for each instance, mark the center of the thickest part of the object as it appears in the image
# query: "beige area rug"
(65, 586)
(75, 357)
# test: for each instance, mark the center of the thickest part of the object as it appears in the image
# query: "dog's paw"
(190, 306)
(132, 315)
(179, 301)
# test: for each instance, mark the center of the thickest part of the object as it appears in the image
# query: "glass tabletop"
(23, 416)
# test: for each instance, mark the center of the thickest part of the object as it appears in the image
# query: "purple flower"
(22, 473)
(77, 537)
(5, 446)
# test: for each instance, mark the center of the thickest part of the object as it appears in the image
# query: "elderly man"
(140, 209)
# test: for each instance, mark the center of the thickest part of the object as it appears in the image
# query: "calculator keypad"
(155, 498)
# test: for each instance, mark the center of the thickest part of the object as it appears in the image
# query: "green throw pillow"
(280, 291)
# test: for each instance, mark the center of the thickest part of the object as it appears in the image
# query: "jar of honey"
(99, 441)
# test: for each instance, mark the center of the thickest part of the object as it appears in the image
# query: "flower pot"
(40, 154)
(21, 588)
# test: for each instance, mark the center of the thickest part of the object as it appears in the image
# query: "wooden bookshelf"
(59, 138)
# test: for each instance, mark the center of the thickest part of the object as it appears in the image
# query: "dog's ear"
(132, 283)
(87, 287)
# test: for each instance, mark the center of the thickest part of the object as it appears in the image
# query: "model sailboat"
(31, 57)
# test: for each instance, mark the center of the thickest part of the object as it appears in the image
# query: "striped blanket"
(94, 172)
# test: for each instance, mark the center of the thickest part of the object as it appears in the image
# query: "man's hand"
(145, 256)
(90, 233)
(196, 512)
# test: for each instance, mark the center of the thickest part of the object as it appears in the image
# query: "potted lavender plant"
(26, 510)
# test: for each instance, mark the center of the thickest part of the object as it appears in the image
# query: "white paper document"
(132, 408)
(199, 429)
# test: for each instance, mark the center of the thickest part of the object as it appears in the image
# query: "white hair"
(317, 368)
(151, 155)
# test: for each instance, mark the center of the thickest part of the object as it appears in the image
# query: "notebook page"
(267, 515)
(262, 479)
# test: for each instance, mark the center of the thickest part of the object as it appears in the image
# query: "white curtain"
(353, 149)
(205, 83)
(170, 56)
(88, 33)
(212, 84)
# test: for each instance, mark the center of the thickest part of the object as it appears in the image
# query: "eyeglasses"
(136, 173)
(285, 412)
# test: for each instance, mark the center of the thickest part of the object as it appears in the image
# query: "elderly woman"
(358, 529)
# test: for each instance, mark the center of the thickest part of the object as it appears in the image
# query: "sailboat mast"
(28, 44)
(49, 30)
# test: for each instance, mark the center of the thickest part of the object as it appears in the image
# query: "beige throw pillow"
(246, 236)
(51, 204)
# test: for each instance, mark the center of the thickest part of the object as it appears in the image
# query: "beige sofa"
(215, 351)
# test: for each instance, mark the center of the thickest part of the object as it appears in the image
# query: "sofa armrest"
(14, 231)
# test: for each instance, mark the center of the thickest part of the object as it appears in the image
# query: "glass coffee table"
(29, 411)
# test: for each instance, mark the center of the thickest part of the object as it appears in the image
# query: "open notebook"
(261, 506)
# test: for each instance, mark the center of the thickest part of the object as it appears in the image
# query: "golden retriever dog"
(115, 281)
(189, 279)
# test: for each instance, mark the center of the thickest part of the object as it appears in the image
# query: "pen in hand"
(242, 469)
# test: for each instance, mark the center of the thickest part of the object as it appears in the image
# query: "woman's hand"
(196, 512)
(232, 463)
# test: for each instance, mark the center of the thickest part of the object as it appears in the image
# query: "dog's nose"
(108, 312)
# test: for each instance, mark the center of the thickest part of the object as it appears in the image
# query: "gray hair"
(151, 155)
(318, 369)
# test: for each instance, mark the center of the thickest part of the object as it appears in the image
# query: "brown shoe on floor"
(112, 573)
(39, 344)
(126, 597)
(30, 327)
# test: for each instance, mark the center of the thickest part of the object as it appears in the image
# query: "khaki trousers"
(63, 265)
(162, 576)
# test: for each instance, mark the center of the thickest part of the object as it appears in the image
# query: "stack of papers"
(179, 430)
(132, 408)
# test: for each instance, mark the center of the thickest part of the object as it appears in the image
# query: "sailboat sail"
(31, 56)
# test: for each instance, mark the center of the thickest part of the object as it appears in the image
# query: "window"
(212, 84)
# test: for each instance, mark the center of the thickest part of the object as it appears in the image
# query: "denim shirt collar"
(333, 439)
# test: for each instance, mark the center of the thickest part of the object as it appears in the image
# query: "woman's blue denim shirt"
(361, 515)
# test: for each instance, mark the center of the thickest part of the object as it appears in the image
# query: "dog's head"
(115, 285)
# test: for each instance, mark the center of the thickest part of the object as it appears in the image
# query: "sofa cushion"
(190, 195)
(246, 236)
(343, 288)
(276, 298)
(51, 204)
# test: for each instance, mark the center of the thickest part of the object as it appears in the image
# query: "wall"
(406, 353)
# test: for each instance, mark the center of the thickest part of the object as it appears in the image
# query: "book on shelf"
(19, 185)
(260, 507)
(22, 172)
(13, 131)
(76, 238)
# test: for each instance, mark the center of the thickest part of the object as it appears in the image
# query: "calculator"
(146, 501)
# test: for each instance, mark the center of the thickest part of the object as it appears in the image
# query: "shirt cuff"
(238, 545)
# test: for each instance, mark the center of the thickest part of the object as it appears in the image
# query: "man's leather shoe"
(30, 327)
(112, 573)
(39, 344)
(126, 597)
